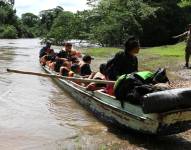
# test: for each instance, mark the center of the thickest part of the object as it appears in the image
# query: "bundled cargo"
(167, 100)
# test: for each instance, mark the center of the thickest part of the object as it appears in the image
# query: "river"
(36, 114)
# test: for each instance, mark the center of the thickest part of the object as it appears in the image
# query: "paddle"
(61, 77)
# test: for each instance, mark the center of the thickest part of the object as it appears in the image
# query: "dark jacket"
(62, 54)
(121, 64)
(85, 70)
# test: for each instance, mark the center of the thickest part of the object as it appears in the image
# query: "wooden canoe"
(131, 116)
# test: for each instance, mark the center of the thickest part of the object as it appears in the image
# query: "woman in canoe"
(124, 62)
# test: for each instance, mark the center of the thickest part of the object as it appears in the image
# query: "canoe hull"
(115, 114)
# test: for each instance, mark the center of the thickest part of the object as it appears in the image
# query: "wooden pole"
(61, 77)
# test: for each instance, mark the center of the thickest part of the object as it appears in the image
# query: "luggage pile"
(140, 89)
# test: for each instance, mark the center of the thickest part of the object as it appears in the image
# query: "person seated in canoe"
(44, 50)
(100, 75)
(66, 54)
(75, 60)
(75, 67)
(62, 56)
(49, 56)
(65, 69)
(124, 62)
(85, 69)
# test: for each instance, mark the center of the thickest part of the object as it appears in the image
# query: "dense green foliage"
(109, 22)
(13, 27)
(8, 32)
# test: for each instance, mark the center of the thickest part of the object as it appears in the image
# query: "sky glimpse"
(35, 6)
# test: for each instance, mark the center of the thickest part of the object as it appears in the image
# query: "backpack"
(132, 87)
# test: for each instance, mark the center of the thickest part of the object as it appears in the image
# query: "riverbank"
(170, 57)
(149, 58)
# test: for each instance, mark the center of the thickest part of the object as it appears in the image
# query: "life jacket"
(143, 76)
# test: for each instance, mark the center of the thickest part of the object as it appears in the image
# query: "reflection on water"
(36, 114)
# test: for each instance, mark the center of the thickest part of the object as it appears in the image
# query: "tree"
(63, 27)
(11, 2)
(30, 19)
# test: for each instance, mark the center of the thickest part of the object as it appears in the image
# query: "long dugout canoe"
(109, 109)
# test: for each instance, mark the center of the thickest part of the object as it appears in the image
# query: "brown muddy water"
(36, 114)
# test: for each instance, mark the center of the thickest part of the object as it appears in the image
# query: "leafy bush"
(9, 32)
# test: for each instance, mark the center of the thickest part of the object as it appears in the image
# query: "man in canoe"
(124, 62)
(44, 50)
(66, 54)
(188, 45)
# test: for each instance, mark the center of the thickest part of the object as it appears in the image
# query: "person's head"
(132, 46)
(49, 51)
(74, 60)
(87, 59)
(48, 44)
(75, 68)
(64, 71)
(67, 64)
(68, 46)
(102, 68)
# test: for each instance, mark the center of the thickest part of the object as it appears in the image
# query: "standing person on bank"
(188, 45)
(124, 62)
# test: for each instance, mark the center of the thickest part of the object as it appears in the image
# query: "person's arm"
(180, 35)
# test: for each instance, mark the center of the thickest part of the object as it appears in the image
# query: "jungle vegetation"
(108, 22)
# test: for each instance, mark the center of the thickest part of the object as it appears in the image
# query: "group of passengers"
(69, 62)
